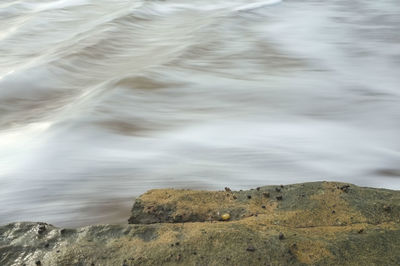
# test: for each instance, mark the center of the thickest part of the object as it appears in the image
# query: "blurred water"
(101, 100)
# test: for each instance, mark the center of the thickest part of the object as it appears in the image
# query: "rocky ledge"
(321, 223)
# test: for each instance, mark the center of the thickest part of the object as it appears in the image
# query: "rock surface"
(320, 223)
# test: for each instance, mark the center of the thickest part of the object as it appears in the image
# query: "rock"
(360, 232)
(225, 217)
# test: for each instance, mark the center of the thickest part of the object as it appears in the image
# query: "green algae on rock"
(320, 223)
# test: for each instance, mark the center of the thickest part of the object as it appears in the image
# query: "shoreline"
(302, 224)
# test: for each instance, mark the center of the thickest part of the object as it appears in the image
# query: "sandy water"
(101, 100)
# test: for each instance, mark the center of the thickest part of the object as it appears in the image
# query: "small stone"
(228, 189)
(251, 249)
(42, 229)
(225, 217)
(345, 188)
(281, 236)
(279, 197)
(263, 207)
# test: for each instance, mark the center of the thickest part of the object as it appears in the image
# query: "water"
(101, 100)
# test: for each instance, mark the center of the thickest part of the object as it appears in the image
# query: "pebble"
(225, 216)
(42, 229)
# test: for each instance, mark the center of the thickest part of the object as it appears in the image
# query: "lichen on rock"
(320, 223)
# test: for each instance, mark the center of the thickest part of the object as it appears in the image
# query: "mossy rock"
(320, 223)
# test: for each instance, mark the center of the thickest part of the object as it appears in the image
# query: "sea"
(102, 100)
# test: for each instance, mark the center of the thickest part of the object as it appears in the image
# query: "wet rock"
(295, 231)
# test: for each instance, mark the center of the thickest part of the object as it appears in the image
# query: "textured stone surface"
(321, 223)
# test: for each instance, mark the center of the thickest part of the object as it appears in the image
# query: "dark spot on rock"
(42, 229)
(258, 189)
(38, 262)
(194, 253)
(360, 231)
(228, 259)
(63, 231)
(227, 194)
(279, 197)
(58, 251)
(266, 194)
(172, 245)
(177, 243)
(333, 211)
(179, 257)
(281, 186)
(251, 249)
(277, 189)
(46, 245)
(345, 188)
(248, 196)
(302, 195)
(281, 236)
(387, 208)
(228, 189)
(263, 207)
